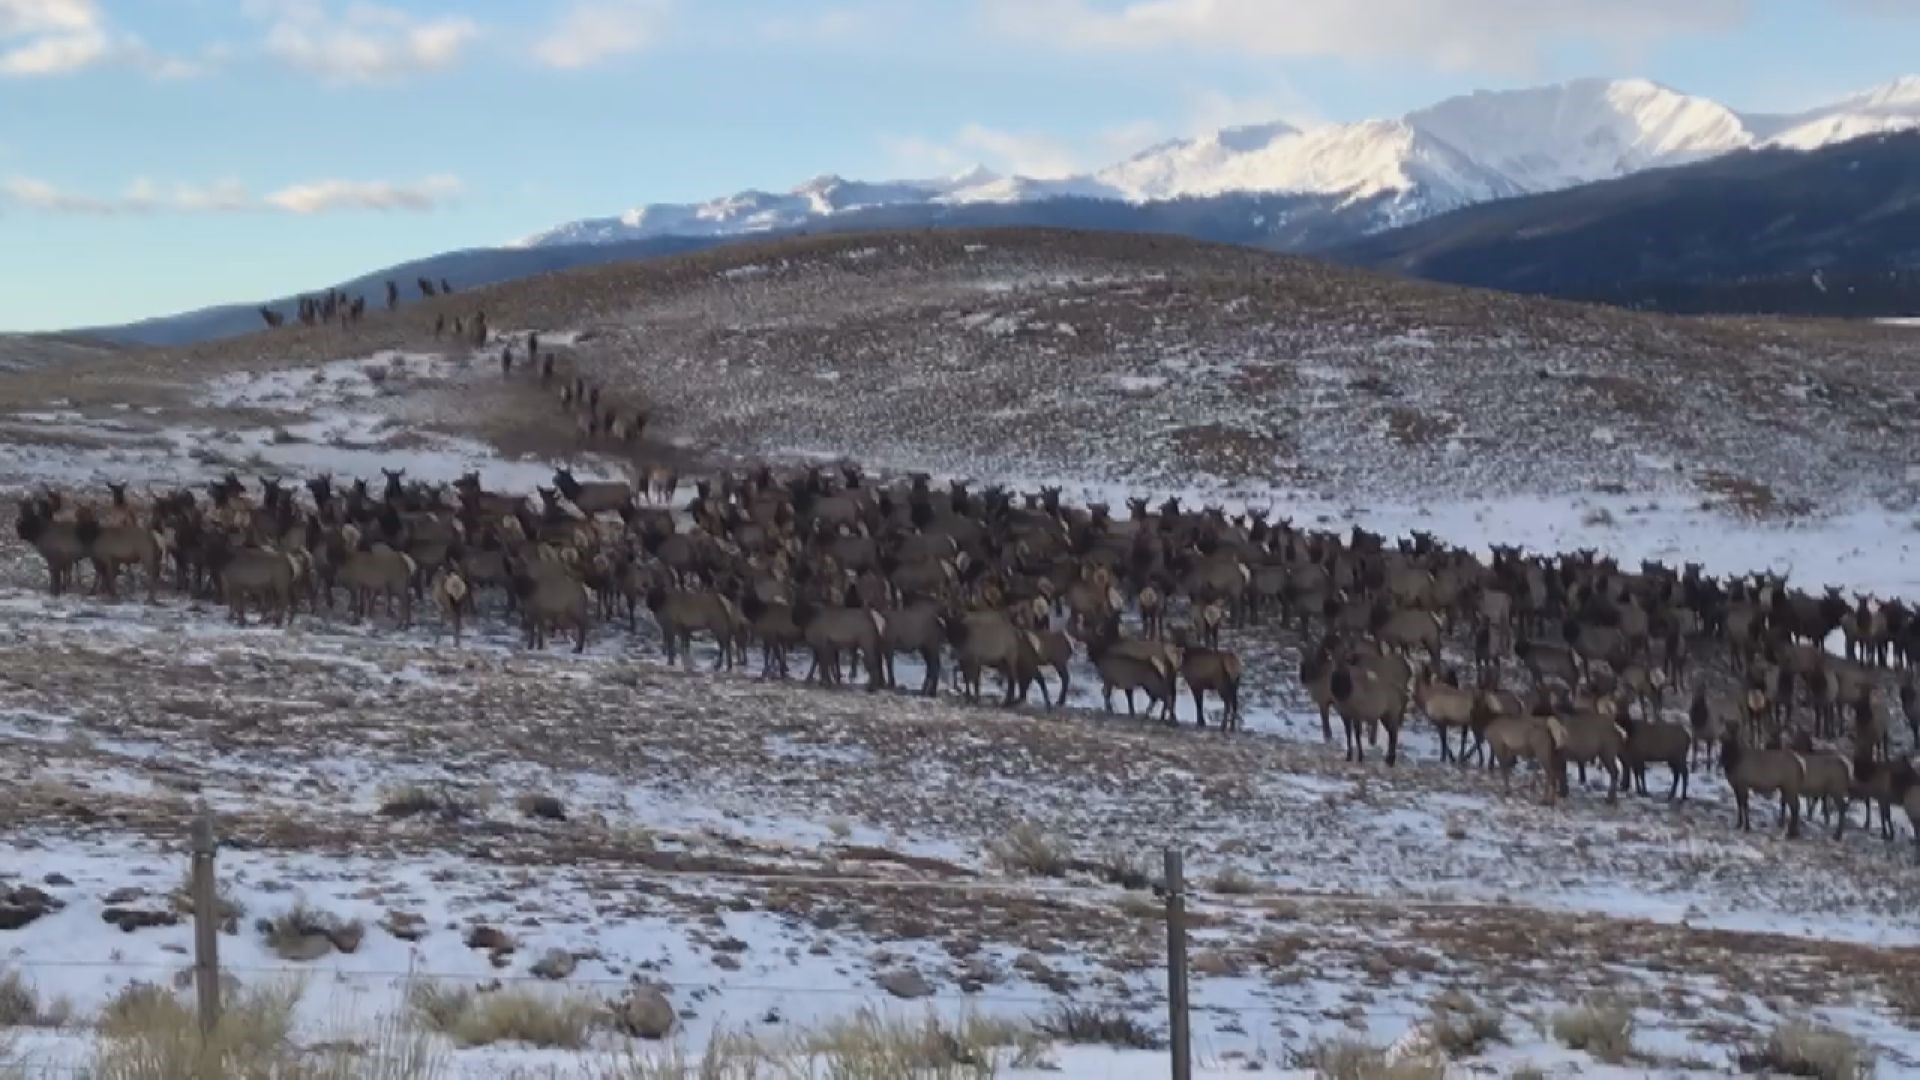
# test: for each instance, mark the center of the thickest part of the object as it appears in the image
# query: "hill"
(1152, 359)
(1834, 231)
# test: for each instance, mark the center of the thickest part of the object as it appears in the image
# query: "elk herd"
(1570, 662)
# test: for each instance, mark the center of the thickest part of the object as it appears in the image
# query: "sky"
(157, 157)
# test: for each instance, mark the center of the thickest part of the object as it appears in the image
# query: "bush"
(1603, 1027)
(438, 1007)
(1802, 1048)
(1462, 1027)
(872, 1047)
(19, 1004)
(1351, 1059)
(1029, 849)
(1093, 1025)
(302, 933)
(548, 1021)
(1231, 882)
(149, 1034)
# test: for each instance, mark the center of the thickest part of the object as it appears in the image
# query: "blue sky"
(156, 157)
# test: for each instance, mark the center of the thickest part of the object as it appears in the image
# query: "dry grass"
(303, 933)
(19, 1002)
(417, 800)
(1029, 849)
(1231, 882)
(1092, 1024)
(1351, 1059)
(1804, 1048)
(1603, 1027)
(869, 1046)
(546, 1020)
(1463, 1027)
(149, 1034)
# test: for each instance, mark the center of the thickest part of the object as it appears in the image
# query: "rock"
(726, 961)
(905, 983)
(646, 1014)
(347, 936)
(14, 916)
(490, 939)
(556, 964)
(730, 944)
(303, 948)
(57, 880)
(129, 920)
(543, 806)
(123, 896)
(405, 925)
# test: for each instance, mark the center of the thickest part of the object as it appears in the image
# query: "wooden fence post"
(206, 922)
(1179, 1037)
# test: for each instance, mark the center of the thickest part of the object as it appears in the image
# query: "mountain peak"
(1489, 144)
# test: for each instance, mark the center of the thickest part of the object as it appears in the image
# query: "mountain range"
(1461, 152)
(1463, 190)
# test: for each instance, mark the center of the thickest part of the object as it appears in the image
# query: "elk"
(593, 497)
(1363, 698)
(681, 613)
(1767, 772)
(830, 632)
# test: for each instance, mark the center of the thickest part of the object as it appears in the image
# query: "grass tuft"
(147, 1033)
(1029, 849)
(1603, 1027)
(1094, 1025)
(1463, 1027)
(537, 1018)
(1803, 1048)
(1351, 1059)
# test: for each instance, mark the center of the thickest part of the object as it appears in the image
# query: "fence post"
(1177, 967)
(206, 921)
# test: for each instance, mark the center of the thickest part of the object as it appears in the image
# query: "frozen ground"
(766, 853)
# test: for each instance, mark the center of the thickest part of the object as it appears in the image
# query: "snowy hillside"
(1464, 150)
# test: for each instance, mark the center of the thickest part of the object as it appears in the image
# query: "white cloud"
(144, 196)
(50, 37)
(1213, 110)
(56, 37)
(320, 196)
(595, 31)
(365, 42)
(1487, 35)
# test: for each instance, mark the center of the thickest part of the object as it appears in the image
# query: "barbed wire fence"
(206, 973)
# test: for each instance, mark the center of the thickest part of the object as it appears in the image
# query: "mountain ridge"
(1461, 151)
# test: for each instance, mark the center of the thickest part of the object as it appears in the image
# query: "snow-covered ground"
(766, 854)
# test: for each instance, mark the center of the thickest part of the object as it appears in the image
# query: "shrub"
(1351, 1059)
(869, 1046)
(1093, 1025)
(1029, 849)
(1231, 882)
(1603, 1027)
(548, 1021)
(149, 1034)
(1462, 1027)
(303, 933)
(19, 1004)
(1803, 1048)
(438, 1007)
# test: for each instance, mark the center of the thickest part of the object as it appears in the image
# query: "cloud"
(57, 37)
(595, 31)
(1485, 35)
(365, 42)
(1214, 110)
(144, 196)
(51, 37)
(320, 196)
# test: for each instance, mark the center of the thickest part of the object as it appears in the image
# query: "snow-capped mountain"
(1462, 151)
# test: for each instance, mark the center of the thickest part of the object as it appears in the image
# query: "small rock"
(556, 964)
(905, 983)
(303, 948)
(405, 925)
(490, 939)
(730, 944)
(129, 920)
(57, 880)
(726, 961)
(646, 1014)
(123, 896)
(347, 936)
(543, 806)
